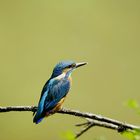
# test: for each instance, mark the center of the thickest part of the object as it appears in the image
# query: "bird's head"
(65, 67)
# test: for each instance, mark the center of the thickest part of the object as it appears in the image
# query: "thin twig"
(98, 123)
(91, 123)
(84, 130)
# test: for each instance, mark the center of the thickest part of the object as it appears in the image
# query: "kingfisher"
(55, 89)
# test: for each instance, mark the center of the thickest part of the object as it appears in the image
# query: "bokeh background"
(35, 35)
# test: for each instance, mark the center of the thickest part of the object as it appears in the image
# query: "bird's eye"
(71, 66)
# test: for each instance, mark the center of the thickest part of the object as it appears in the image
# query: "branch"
(93, 119)
(18, 108)
(91, 123)
(99, 118)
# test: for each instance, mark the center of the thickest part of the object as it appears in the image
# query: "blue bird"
(55, 89)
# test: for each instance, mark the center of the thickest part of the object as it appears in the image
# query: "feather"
(39, 114)
(57, 91)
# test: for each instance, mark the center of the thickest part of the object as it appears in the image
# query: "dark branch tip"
(121, 128)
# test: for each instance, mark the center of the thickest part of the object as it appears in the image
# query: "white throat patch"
(61, 76)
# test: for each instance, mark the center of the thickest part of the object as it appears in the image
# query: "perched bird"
(55, 90)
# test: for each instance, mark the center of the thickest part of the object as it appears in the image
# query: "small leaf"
(132, 104)
(132, 135)
(128, 135)
(69, 135)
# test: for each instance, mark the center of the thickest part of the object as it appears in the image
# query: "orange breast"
(70, 79)
(59, 104)
(57, 107)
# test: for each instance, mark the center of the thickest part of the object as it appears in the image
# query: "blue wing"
(53, 91)
(39, 114)
(58, 90)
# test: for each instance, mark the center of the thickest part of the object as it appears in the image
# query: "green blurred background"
(35, 35)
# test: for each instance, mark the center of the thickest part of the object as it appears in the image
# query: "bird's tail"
(38, 117)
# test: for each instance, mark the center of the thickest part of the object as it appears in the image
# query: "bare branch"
(93, 119)
(91, 123)
(99, 118)
(18, 108)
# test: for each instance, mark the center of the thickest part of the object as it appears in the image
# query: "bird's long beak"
(81, 64)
